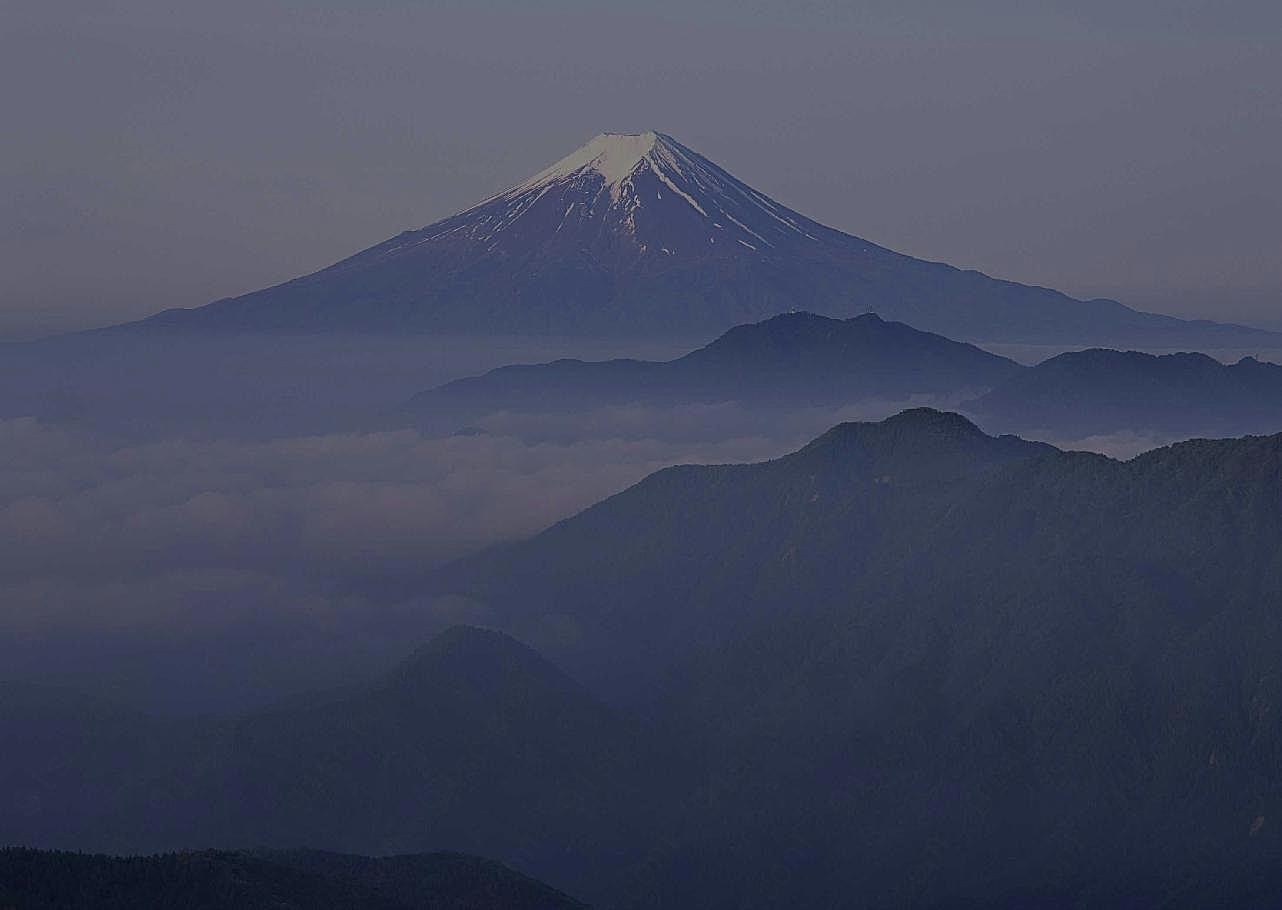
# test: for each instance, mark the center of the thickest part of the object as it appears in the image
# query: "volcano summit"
(636, 234)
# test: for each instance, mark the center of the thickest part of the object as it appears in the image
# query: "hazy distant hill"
(295, 880)
(81, 772)
(639, 235)
(1103, 391)
(796, 359)
(476, 743)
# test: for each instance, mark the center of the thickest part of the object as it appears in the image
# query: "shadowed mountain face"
(1102, 391)
(910, 662)
(475, 740)
(936, 668)
(639, 235)
(77, 771)
(628, 591)
(796, 359)
(294, 880)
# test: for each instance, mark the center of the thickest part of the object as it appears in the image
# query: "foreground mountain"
(638, 234)
(1103, 391)
(631, 590)
(935, 668)
(294, 880)
(910, 664)
(81, 772)
(474, 743)
(796, 359)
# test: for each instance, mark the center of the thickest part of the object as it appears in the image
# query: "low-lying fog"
(205, 527)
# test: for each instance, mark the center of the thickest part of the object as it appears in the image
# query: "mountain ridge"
(866, 467)
(1037, 661)
(793, 359)
(944, 668)
(267, 880)
(1106, 391)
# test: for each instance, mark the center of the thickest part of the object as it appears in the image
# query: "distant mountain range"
(790, 360)
(910, 664)
(640, 235)
(267, 880)
(800, 360)
(1104, 391)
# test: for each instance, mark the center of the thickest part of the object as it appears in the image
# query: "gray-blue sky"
(163, 154)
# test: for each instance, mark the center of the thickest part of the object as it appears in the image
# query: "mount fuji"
(637, 234)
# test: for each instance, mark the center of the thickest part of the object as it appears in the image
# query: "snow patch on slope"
(667, 181)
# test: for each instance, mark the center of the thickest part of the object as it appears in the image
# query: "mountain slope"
(638, 234)
(934, 668)
(449, 881)
(629, 590)
(1102, 391)
(294, 880)
(795, 359)
(475, 743)
(77, 771)
(910, 664)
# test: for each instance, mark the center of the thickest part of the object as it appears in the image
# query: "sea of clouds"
(221, 525)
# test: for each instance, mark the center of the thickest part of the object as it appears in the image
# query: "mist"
(209, 574)
(188, 573)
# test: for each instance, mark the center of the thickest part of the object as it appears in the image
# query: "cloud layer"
(213, 572)
(195, 573)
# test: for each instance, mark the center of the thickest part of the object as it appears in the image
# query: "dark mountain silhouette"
(649, 602)
(910, 664)
(935, 668)
(638, 234)
(476, 741)
(448, 880)
(78, 771)
(1102, 391)
(789, 360)
(294, 880)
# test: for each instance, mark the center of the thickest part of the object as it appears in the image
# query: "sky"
(161, 154)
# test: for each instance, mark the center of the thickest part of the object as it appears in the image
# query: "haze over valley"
(658, 521)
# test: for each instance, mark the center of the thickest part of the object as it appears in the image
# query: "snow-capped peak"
(616, 158)
(612, 155)
(643, 186)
